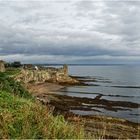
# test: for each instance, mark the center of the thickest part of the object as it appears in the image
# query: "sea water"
(114, 82)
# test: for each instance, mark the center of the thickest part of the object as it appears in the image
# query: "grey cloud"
(88, 31)
(85, 5)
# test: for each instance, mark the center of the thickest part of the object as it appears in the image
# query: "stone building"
(2, 66)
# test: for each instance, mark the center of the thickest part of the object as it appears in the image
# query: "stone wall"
(2, 66)
(50, 74)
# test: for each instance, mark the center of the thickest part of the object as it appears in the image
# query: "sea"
(114, 82)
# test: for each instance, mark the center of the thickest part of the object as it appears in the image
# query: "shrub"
(10, 85)
(22, 118)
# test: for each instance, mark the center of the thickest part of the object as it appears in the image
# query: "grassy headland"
(21, 116)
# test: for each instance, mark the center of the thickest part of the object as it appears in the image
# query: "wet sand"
(40, 88)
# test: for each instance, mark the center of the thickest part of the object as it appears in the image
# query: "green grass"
(8, 84)
(12, 71)
(22, 117)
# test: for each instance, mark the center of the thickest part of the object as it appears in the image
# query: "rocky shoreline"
(44, 84)
(93, 124)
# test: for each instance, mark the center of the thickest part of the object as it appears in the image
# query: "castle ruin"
(45, 74)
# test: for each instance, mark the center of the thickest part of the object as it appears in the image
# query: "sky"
(70, 31)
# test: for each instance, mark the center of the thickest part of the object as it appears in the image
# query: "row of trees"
(15, 64)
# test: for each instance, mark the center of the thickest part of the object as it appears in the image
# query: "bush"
(22, 118)
(10, 85)
(15, 64)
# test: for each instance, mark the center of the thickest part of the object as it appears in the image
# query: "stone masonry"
(2, 66)
(49, 74)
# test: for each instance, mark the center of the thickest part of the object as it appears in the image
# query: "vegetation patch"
(8, 84)
(25, 118)
(22, 117)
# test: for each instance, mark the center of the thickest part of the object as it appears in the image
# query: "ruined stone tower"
(65, 68)
(2, 66)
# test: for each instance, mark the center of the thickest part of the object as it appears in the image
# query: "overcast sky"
(70, 31)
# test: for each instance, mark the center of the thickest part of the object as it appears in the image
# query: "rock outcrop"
(49, 74)
(2, 66)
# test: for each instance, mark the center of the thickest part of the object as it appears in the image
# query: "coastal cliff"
(48, 74)
(49, 109)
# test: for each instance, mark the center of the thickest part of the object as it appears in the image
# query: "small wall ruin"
(2, 66)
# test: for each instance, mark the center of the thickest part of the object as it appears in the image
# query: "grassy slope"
(23, 117)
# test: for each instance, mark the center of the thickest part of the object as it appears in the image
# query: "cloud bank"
(70, 31)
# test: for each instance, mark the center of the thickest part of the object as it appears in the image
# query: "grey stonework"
(2, 66)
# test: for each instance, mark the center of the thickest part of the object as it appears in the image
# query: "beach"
(107, 126)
